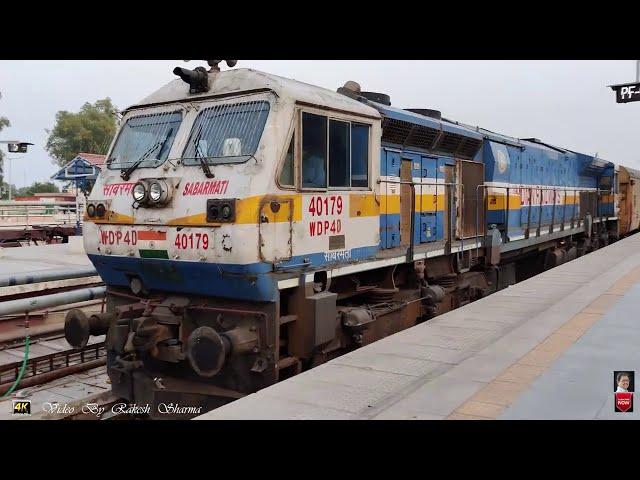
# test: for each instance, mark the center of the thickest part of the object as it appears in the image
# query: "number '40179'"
(319, 206)
(186, 241)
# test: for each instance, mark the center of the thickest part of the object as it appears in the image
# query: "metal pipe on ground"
(24, 305)
(46, 276)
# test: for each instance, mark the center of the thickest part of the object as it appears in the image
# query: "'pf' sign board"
(627, 92)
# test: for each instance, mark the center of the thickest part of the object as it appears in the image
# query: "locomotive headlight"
(151, 192)
(159, 192)
(221, 210)
(101, 210)
(139, 192)
(155, 192)
(91, 210)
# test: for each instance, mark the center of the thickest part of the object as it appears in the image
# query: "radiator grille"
(408, 134)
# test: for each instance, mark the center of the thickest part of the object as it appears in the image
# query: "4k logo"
(22, 407)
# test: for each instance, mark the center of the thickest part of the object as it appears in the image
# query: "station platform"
(545, 348)
(31, 259)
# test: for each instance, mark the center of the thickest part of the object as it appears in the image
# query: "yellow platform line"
(504, 390)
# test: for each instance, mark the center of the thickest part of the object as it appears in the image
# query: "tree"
(90, 130)
(4, 190)
(4, 122)
(38, 187)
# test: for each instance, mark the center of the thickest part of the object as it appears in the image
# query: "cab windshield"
(145, 141)
(227, 133)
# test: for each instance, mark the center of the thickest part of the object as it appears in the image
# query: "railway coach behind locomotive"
(250, 226)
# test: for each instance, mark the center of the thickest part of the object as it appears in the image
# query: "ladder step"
(287, 319)
(288, 362)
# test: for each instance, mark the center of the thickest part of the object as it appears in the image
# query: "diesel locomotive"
(249, 227)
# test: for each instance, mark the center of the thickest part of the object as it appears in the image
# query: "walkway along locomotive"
(249, 226)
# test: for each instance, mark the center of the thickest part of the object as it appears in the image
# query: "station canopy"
(83, 170)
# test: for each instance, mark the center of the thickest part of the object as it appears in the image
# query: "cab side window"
(335, 153)
(339, 140)
(359, 155)
(287, 174)
(314, 151)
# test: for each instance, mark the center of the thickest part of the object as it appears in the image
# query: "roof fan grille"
(422, 137)
(395, 131)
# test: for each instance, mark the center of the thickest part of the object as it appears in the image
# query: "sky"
(565, 103)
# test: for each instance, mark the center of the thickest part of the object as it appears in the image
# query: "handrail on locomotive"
(449, 202)
(484, 187)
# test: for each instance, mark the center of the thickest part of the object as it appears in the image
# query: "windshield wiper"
(205, 168)
(125, 174)
(203, 163)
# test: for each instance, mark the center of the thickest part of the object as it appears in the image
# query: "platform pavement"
(19, 260)
(579, 385)
(495, 358)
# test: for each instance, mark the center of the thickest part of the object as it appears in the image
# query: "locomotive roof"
(239, 80)
(429, 122)
(632, 171)
(517, 142)
(244, 79)
(526, 142)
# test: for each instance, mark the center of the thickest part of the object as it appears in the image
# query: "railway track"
(34, 303)
(45, 368)
(50, 357)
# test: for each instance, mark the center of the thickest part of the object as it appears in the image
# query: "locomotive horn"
(214, 64)
(198, 79)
